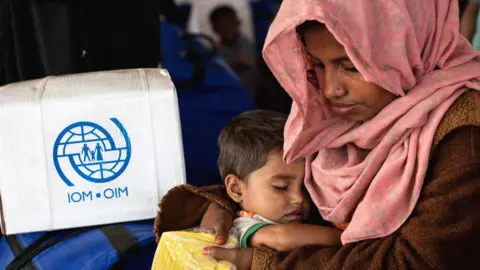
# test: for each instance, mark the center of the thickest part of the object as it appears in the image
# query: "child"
(237, 50)
(270, 192)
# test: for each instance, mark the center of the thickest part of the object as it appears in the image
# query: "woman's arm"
(468, 23)
(442, 232)
(210, 207)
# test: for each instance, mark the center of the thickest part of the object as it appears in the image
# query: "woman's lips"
(342, 108)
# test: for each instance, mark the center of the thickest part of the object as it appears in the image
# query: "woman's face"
(348, 94)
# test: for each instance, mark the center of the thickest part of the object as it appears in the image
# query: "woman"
(387, 112)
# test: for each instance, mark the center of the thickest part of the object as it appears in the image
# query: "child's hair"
(247, 140)
(304, 27)
(222, 11)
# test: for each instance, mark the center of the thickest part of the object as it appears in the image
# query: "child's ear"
(235, 187)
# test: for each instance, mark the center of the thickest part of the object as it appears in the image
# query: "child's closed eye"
(281, 187)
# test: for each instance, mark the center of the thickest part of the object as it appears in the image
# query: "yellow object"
(183, 250)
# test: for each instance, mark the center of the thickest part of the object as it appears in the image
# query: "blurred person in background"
(235, 48)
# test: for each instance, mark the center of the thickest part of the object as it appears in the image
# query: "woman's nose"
(333, 87)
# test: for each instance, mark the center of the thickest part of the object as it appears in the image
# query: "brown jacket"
(443, 231)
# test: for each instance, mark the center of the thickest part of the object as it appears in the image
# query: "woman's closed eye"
(349, 67)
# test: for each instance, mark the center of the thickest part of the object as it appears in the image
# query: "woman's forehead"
(320, 43)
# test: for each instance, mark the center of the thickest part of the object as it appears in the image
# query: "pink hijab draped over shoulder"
(370, 174)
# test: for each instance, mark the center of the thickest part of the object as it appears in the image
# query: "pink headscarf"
(370, 174)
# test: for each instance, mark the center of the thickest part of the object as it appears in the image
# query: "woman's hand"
(240, 257)
(218, 219)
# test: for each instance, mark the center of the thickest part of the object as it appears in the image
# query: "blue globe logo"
(89, 151)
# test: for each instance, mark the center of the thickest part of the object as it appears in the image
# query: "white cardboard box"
(87, 149)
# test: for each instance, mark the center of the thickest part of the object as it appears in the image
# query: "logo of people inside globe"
(87, 151)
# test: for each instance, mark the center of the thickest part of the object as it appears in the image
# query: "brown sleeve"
(184, 206)
(443, 232)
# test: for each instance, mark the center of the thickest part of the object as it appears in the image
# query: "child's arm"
(284, 237)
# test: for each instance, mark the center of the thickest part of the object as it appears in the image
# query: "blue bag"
(209, 96)
(117, 246)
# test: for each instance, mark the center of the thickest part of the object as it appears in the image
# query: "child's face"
(276, 191)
